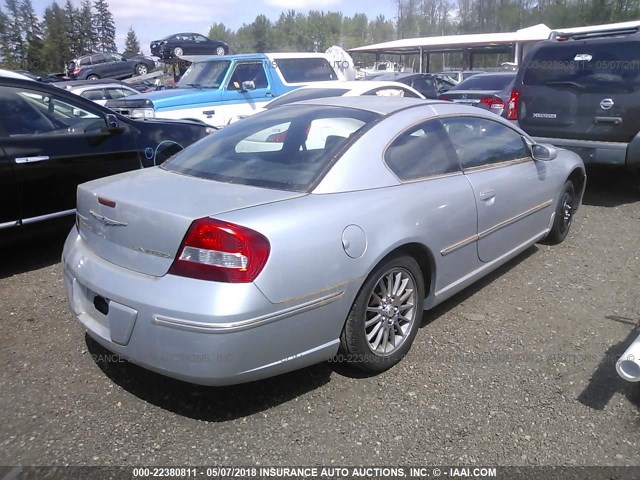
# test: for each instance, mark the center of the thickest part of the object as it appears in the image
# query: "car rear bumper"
(202, 332)
(592, 152)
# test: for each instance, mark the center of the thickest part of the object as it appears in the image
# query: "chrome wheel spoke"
(390, 312)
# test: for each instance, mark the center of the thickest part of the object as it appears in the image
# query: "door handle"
(487, 195)
(42, 158)
(613, 120)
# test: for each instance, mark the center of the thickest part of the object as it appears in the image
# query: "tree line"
(64, 32)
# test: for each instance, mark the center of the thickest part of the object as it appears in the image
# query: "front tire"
(177, 52)
(93, 77)
(565, 210)
(220, 50)
(385, 316)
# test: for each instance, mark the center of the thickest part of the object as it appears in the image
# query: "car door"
(514, 201)
(236, 100)
(99, 65)
(10, 214)
(202, 46)
(54, 143)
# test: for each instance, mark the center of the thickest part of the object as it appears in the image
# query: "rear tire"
(141, 69)
(177, 52)
(220, 51)
(385, 316)
(565, 210)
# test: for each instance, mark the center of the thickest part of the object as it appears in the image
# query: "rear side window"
(590, 67)
(295, 70)
(287, 148)
(245, 72)
(422, 151)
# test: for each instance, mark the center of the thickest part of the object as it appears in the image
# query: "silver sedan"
(316, 230)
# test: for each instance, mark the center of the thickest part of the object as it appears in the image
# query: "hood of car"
(175, 97)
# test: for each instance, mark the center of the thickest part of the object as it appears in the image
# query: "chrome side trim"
(569, 142)
(491, 166)
(245, 324)
(459, 245)
(463, 243)
(15, 223)
(514, 219)
(49, 216)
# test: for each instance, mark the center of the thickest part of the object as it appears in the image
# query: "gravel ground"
(517, 370)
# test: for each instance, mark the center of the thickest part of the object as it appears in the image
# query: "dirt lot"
(517, 370)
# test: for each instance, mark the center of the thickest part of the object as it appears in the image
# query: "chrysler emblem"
(606, 104)
(107, 221)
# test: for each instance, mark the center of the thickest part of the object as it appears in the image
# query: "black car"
(582, 92)
(427, 84)
(108, 65)
(52, 140)
(491, 91)
(181, 44)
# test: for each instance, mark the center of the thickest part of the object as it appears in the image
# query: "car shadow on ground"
(31, 249)
(210, 404)
(605, 381)
(432, 315)
(611, 187)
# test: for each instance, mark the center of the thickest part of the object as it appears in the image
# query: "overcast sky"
(154, 19)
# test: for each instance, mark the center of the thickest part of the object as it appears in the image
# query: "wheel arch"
(579, 179)
(423, 256)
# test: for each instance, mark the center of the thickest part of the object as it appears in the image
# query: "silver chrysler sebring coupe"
(315, 230)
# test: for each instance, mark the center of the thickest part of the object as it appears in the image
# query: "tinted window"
(486, 82)
(286, 148)
(421, 152)
(199, 38)
(306, 94)
(589, 67)
(480, 142)
(99, 58)
(296, 70)
(98, 94)
(245, 72)
(26, 112)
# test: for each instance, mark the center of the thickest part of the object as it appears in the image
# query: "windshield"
(205, 74)
(286, 148)
(306, 94)
(485, 82)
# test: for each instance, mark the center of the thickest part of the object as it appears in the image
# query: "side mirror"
(543, 153)
(248, 85)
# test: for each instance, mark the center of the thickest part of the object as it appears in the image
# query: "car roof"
(9, 74)
(374, 104)
(495, 74)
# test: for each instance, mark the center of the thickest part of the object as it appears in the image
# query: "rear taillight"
(493, 103)
(277, 137)
(221, 251)
(512, 106)
(446, 99)
(76, 71)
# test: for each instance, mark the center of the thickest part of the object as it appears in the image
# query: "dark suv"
(582, 92)
(108, 65)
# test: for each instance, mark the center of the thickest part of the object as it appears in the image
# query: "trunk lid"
(583, 90)
(137, 220)
(470, 97)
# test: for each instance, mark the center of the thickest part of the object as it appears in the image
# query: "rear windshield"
(295, 70)
(488, 82)
(591, 68)
(286, 148)
(306, 94)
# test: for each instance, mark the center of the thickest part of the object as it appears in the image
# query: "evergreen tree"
(5, 45)
(32, 32)
(56, 50)
(15, 55)
(86, 32)
(74, 33)
(131, 44)
(104, 27)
